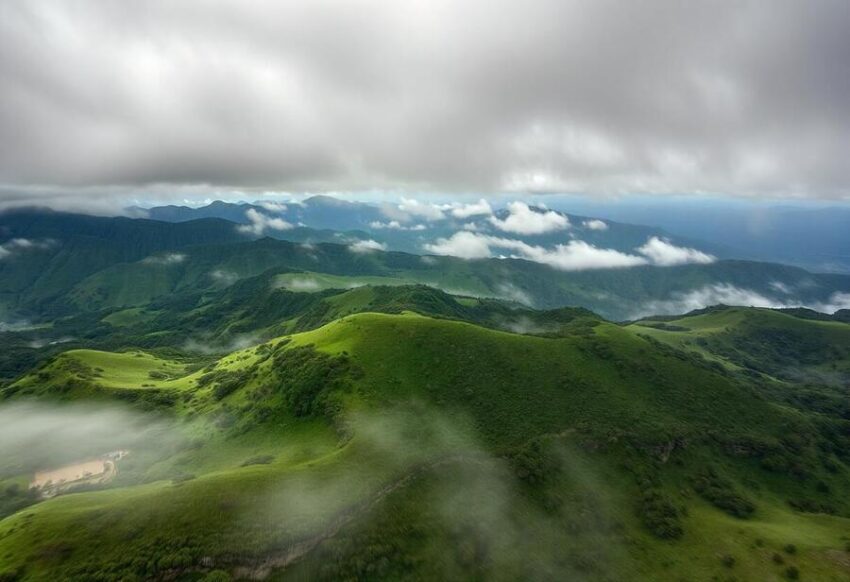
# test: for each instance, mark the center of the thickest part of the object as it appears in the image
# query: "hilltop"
(595, 432)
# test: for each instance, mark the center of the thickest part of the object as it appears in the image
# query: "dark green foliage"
(14, 498)
(659, 515)
(535, 462)
(811, 506)
(226, 382)
(722, 494)
(792, 573)
(728, 560)
(790, 549)
(308, 379)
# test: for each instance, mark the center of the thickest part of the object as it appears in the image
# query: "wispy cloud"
(480, 208)
(595, 224)
(166, 259)
(395, 225)
(15, 245)
(728, 294)
(522, 219)
(260, 222)
(665, 254)
(575, 255)
(366, 246)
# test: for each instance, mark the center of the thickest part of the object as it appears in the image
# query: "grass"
(460, 451)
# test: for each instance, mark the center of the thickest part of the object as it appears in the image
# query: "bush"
(778, 558)
(659, 516)
(722, 495)
(790, 549)
(308, 378)
(792, 573)
(728, 561)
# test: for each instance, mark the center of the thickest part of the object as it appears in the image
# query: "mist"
(36, 436)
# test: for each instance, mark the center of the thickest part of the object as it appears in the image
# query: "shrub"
(722, 495)
(792, 573)
(659, 516)
(728, 561)
(778, 558)
(790, 549)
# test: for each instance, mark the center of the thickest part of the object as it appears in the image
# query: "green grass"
(457, 451)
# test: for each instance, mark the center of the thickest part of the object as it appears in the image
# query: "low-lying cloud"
(522, 219)
(482, 207)
(37, 435)
(595, 224)
(395, 225)
(727, 294)
(366, 246)
(575, 255)
(17, 245)
(259, 223)
(663, 253)
(166, 259)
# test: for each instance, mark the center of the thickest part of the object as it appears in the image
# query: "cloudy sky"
(101, 100)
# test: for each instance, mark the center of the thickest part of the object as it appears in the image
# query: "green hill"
(409, 447)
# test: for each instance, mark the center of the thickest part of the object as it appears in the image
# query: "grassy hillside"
(409, 447)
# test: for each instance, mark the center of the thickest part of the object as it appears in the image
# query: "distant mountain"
(44, 254)
(78, 264)
(416, 232)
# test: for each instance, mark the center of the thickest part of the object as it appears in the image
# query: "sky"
(105, 102)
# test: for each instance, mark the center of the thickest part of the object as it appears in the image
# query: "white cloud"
(166, 259)
(303, 284)
(836, 302)
(595, 224)
(482, 207)
(727, 294)
(573, 256)
(272, 206)
(395, 225)
(576, 255)
(9, 247)
(523, 220)
(366, 246)
(510, 291)
(780, 286)
(411, 208)
(665, 254)
(465, 245)
(261, 222)
(224, 277)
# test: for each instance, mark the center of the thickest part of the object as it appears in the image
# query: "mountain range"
(196, 400)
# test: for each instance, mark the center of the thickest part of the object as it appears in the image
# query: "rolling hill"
(410, 447)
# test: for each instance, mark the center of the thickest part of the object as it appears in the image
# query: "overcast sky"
(104, 100)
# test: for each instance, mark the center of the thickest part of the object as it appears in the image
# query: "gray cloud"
(101, 97)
